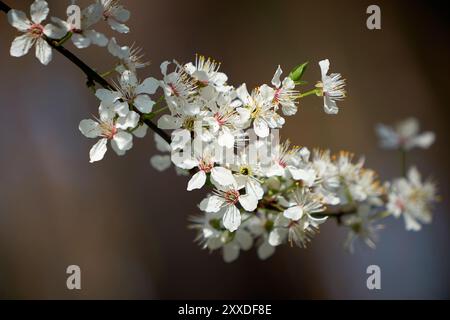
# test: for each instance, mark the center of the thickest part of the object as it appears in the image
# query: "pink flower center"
(205, 166)
(231, 196)
(400, 204)
(220, 119)
(173, 89)
(277, 95)
(36, 30)
(108, 131)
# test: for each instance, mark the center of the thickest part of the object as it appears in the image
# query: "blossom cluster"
(260, 191)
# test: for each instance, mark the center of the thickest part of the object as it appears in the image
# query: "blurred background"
(125, 224)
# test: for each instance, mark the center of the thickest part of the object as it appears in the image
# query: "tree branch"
(92, 76)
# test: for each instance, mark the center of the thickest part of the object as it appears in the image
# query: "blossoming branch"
(261, 191)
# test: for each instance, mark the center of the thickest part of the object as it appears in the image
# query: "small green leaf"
(297, 73)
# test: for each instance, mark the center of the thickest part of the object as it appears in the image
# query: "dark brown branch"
(92, 76)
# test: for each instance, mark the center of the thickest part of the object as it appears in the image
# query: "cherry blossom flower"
(411, 198)
(116, 15)
(130, 92)
(405, 135)
(284, 94)
(225, 201)
(332, 87)
(110, 128)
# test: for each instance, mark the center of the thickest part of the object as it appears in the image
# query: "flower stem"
(403, 162)
(308, 93)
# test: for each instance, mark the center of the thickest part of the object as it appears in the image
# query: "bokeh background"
(124, 223)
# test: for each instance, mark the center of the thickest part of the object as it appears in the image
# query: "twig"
(92, 76)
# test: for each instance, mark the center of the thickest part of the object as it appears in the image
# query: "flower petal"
(43, 51)
(261, 128)
(249, 202)
(230, 252)
(265, 250)
(21, 45)
(160, 163)
(276, 78)
(39, 11)
(324, 67)
(143, 103)
(231, 218)
(197, 181)
(18, 19)
(212, 204)
(222, 176)
(294, 213)
(89, 128)
(129, 122)
(149, 86)
(124, 140)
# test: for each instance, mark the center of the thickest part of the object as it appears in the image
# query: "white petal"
(265, 250)
(21, 45)
(121, 108)
(121, 14)
(80, 41)
(141, 132)
(124, 140)
(107, 96)
(254, 187)
(330, 105)
(411, 224)
(39, 11)
(160, 163)
(128, 79)
(116, 148)
(212, 204)
(261, 128)
(197, 181)
(119, 27)
(98, 150)
(43, 51)
(276, 78)
(230, 252)
(89, 128)
(231, 218)
(167, 122)
(249, 202)
(149, 86)
(118, 51)
(408, 128)
(389, 139)
(308, 176)
(289, 109)
(180, 138)
(324, 67)
(277, 236)
(161, 144)
(294, 213)
(244, 239)
(54, 32)
(97, 38)
(18, 19)
(129, 122)
(222, 176)
(226, 138)
(425, 140)
(143, 103)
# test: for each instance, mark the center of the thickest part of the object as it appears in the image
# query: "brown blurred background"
(125, 224)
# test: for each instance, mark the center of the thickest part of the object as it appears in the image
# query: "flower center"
(276, 98)
(245, 171)
(189, 123)
(174, 90)
(205, 165)
(109, 130)
(36, 30)
(231, 196)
